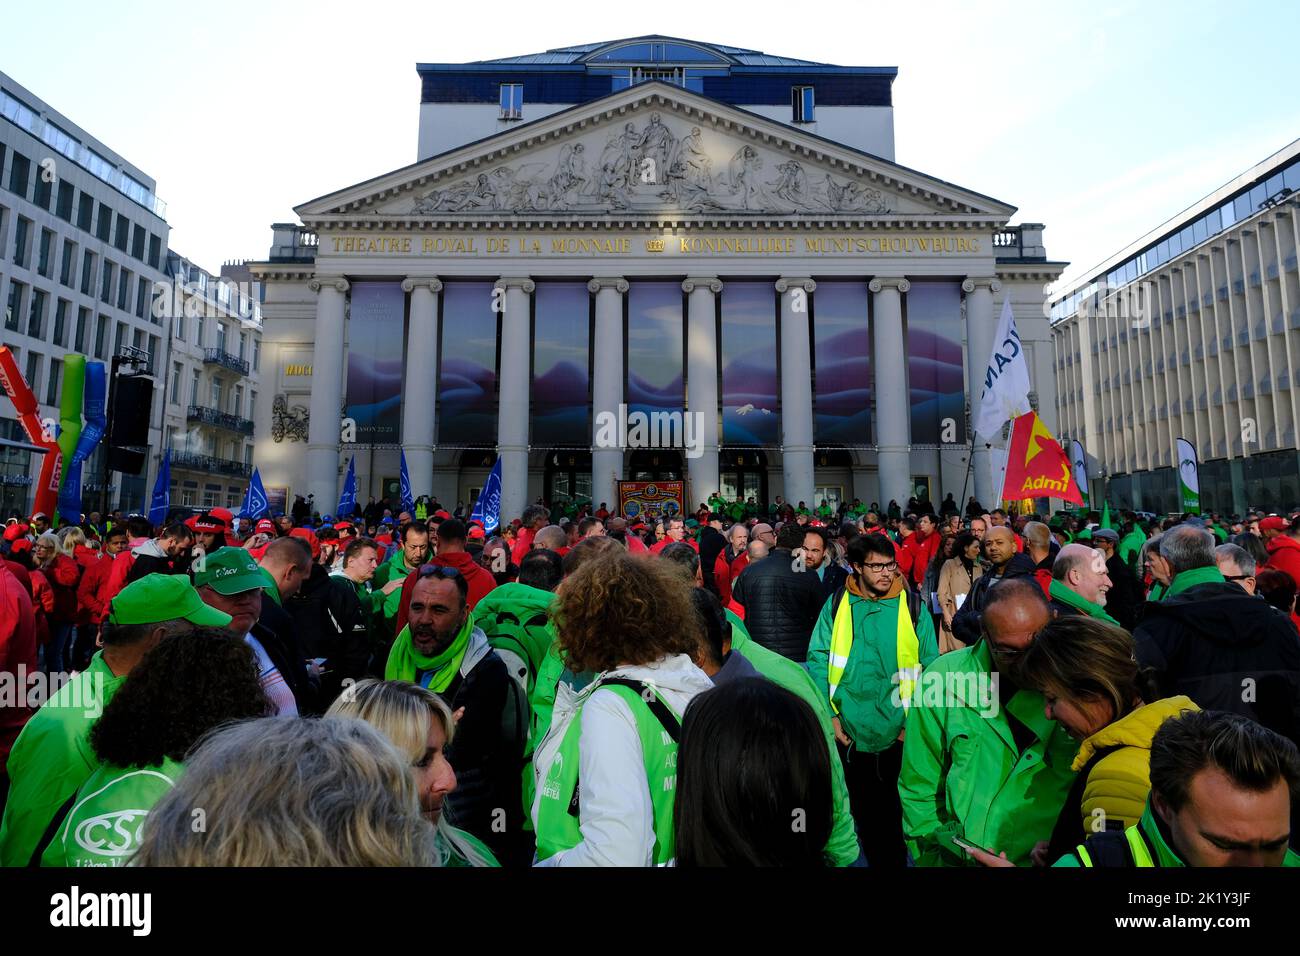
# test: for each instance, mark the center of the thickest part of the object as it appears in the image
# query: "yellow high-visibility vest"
(908, 648)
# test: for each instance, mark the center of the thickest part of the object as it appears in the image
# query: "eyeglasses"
(877, 568)
(438, 571)
(1237, 577)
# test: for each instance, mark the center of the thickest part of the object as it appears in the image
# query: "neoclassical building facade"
(800, 317)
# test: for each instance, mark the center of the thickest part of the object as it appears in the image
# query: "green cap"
(230, 571)
(163, 597)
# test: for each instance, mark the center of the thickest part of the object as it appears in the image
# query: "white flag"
(1006, 380)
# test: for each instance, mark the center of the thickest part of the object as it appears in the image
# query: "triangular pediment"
(653, 152)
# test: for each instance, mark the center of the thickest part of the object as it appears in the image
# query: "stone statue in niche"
(655, 169)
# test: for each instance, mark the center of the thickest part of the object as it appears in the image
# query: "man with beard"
(982, 761)
(441, 649)
(737, 542)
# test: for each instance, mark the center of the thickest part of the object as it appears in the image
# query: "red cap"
(264, 526)
(209, 522)
(1274, 523)
(224, 515)
(15, 531)
(476, 532)
(191, 521)
(310, 537)
(441, 514)
(344, 526)
(21, 545)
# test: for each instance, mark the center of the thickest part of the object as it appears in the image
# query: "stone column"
(418, 392)
(702, 387)
(796, 391)
(607, 388)
(326, 406)
(893, 401)
(512, 410)
(981, 325)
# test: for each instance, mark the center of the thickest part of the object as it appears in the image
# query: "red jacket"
(17, 648)
(523, 544)
(92, 592)
(479, 579)
(86, 559)
(63, 575)
(660, 545)
(920, 551)
(1284, 555)
(722, 577)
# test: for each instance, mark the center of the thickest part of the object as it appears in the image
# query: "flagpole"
(970, 461)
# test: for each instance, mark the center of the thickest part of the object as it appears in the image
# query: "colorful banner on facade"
(842, 357)
(376, 339)
(936, 376)
(1079, 462)
(1189, 478)
(467, 382)
(650, 500)
(1036, 465)
(561, 384)
(655, 348)
(749, 389)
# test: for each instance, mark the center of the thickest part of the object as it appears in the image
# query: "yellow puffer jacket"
(1119, 782)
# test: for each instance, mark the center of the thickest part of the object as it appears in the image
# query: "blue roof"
(722, 55)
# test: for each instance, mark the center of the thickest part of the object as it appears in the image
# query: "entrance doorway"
(567, 478)
(742, 475)
(653, 464)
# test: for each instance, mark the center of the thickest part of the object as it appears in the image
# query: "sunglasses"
(438, 571)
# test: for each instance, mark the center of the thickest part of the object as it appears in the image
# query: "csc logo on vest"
(111, 834)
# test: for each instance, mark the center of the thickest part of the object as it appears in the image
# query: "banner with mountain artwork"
(561, 383)
(749, 377)
(376, 340)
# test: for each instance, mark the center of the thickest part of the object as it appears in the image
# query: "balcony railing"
(223, 358)
(219, 419)
(216, 466)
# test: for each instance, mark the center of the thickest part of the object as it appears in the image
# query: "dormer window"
(801, 99)
(512, 101)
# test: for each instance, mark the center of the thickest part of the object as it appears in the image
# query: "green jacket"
(52, 758)
(842, 848)
(1161, 853)
(387, 606)
(514, 618)
(867, 695)
(962, 773)
(103, 827)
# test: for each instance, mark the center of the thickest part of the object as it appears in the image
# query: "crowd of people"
(749, 684)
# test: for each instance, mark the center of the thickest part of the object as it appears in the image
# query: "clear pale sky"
(1099, 119)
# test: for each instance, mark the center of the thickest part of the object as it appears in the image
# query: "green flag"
(1105, 515)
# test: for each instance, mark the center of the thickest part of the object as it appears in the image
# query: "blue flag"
(162, 491)
(348, 500)
(408, 499)
(488, 506)
(255, 503)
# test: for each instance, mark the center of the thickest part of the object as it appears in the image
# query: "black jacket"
(833, 579)
(712, 544)
(781, 604)
(1125, 595)
(326, 613)
(276, 631)
(487, 754)
(966, 625)
(1226, 650)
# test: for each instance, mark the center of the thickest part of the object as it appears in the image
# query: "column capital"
(515, 282)
(411, 283)
(319, 282)
(970, 285)
(880, 283)
(786, 283)
(608, 282)
(711, 283)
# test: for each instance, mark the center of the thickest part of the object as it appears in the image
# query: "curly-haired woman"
(187, 685)
(606, 771)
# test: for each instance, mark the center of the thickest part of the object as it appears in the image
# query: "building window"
(142, 299)
(122, 341)
(257, 352)
(13, 306)
(180, 326)
(801, 98)
(215, 394)
(65, 271)
(221, 336)
(34, 372)
(137, 242)
(63, 207)
(85, 212)
(60, 322)
(252, 405)
(19, 173)
(512, 101)
(101, 337)
(106, 283)
(104, 225)
(87, 271)
(243, 343)
(43, 257)
(237, 406)
(123, 290)
(36, 315)
(83, 323)
(198, 330)
(21, 232)
(43, 192)
(52, 386)
(155, 245)
(194, 388)
(122, 237)
(176, 384)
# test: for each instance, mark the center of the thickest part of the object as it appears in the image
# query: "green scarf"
(405, 662)
(1059, 592)
(1195, 576)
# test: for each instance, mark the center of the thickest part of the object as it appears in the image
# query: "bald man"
(1080, 582)
(1041, 548)
(1004, 562)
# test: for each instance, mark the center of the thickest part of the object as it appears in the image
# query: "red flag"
(1036, 465)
